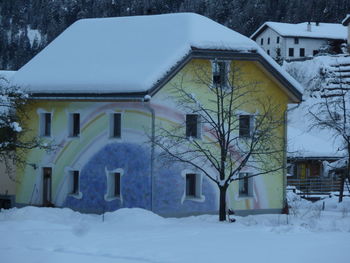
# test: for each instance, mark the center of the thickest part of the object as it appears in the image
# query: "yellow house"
(104, 89)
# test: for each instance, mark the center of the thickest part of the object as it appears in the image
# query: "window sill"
(77, 196)
(112, 198)
(195, 198)
(243, 197)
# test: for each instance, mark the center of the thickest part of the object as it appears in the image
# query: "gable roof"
(323, 30)
(129, 55)
(346, 20)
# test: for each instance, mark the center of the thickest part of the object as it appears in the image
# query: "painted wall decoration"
(95, 154)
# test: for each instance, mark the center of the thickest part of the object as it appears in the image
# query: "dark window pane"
(244, 125)
(116, 184)
(243, 184)
(315, 52)
(191, 125)
(291, 52)
(278, 40)
(296, 40)
(190, 185)
(47, 127)
(302, 52)
(268, 52)
(220, 73)
(117, 125)
(262, 41)
(75, 182)
(76, 124)
(268, 41)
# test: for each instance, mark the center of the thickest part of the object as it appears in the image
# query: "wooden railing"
(315, 185)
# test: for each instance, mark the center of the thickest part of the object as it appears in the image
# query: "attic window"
(278, 40)
(74, 124)
(245, 125)
(220, 73)
(296, 40)
(261, 41)
(268, 41)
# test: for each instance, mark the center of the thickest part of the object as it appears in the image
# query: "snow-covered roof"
(128, 54)
(346, 20)
(322, 30)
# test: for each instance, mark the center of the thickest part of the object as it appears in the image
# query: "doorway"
(47, 185)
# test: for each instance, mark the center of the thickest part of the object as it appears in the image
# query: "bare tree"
(231, 127)
(332, 112)
(14, 139)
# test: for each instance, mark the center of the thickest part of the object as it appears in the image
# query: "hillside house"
(104, 85)
(296, 41)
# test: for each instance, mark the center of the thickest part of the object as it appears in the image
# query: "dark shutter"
(244, 125)
(75, 182)
(191, 125)
(47, 128)
(76, 124)
(117, 125)
(302, 52)
(190, 185)
(117, 184)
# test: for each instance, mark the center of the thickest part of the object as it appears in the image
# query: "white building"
(293, 41)
(346, 22)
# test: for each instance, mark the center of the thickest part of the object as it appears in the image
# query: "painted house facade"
(346, 22)
(100, 99)
(295, 41)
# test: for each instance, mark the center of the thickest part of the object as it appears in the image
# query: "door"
(47, 178)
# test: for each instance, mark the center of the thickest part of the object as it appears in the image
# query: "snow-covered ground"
(308, 234)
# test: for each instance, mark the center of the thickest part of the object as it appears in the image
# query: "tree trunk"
(222, 209)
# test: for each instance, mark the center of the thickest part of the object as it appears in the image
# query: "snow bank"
(133, 216)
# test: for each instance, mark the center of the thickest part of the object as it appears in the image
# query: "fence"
(315, 186)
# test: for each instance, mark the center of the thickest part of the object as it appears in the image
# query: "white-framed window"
(193, 126)
(74, 124)
(220, 70)
(245, 185)
(75, 182)
(45, 124)
(113, 184)
(193, 185)
(115, 120)
(246, 123)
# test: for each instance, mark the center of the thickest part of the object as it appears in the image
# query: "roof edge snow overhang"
(195, 53)
(314, 158)
(346, 20)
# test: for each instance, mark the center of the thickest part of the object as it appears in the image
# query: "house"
(103, 87)
(346, 22)
(7, 182)
(295, 41)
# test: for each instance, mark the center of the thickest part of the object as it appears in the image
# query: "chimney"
(308, 28)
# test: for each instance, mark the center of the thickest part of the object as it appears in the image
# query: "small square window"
(245, 125)
(291, 52)
(296, 40)
(302, 52)
(115, 125)
(45, 124)
(191, 182)
(278, 40)
(261, 41)
(192, 126)
(244, 185)
(75, 182)
(74, 124)
(220, 72)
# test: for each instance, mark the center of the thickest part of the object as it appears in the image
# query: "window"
(244, 185)
(113, 187)
(192, 126)
(115, 127)
(261, 41)
(302, 52)
(291, 52)
(45, 124)
(268, 52)
(74, 124)
(191, 182)
(278, 40)
(296, 40)
(220, 72)
(268, 41)
(75, 182)
(245, 125)
(315, 52)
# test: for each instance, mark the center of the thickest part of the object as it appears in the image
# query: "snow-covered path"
(135, 235)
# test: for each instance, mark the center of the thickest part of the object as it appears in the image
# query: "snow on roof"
(127, 54)
(323, 30)
(346, 20)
